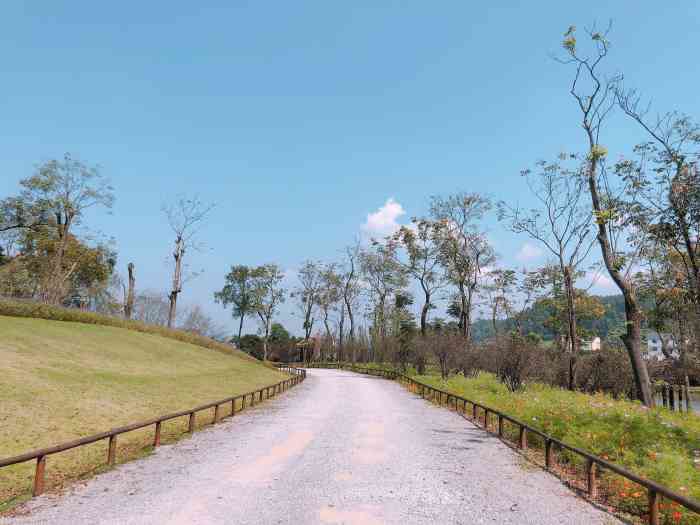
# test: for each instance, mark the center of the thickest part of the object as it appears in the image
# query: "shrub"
(12, 308)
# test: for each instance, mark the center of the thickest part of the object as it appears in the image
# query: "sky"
(310, 123)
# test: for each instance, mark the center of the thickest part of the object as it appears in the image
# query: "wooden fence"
(298, 375)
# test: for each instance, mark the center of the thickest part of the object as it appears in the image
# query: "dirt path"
(339, 448)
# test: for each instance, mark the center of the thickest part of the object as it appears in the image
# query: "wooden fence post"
(190, 425)
(112, 450)
(591, 475)
(522, 442)
(653, 507)
(156, 437)
(548, 454)
(500, 425)
(39, 476)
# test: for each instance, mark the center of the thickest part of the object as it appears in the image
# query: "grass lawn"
(64, 380)
(657, 444)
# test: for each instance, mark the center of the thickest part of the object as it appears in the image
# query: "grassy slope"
(61, 380)
(658, 444)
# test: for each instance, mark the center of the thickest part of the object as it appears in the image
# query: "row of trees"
(640, 214)
(48, 254)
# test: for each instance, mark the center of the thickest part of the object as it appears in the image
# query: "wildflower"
(677, 517)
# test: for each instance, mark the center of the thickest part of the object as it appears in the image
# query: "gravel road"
(340, 448)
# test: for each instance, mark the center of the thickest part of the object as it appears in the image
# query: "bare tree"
(185, 217)
(595, 98)
(151, 307)
(351, 291)
(669, 181)
(465, 251)
(562, 224)
(329, 296)
(129, 293)
(307, 293)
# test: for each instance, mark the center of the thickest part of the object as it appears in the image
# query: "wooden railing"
(473, 410)
(40, 455)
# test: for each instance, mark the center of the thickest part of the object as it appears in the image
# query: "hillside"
(612, 322)
(63, 380)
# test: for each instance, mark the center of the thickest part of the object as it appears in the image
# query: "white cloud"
(528, 252)
(383, 221)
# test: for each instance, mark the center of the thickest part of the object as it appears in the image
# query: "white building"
(590, 345)
(655, 342)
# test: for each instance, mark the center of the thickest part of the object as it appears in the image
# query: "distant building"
(590, 345)
(654, 343)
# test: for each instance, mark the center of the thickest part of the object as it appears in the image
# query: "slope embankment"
(65, 380)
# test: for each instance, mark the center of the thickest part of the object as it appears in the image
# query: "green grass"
(656, 444)
(64, 380)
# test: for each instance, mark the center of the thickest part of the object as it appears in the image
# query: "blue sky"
(301, 118)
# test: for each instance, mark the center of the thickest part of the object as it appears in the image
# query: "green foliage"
(656, 444)
(11, 308)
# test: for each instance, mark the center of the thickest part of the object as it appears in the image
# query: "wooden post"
(653, 507)
(486, 419)
(233, 406)
(591, 475)
(156, 437)
(522, 442)
(190, 425)
(39, 476)
(664, 396)
(688, 406)
(500, 425)
(548, 454)
(680, 398)
(474, 413)
(672, 398)
(112, 450)
(216, 414)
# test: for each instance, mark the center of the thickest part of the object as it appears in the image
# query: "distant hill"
(612, 321)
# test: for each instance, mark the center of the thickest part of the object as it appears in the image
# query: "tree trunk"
(240, 329)
(632, 338)
(129, 302)
(177, 280)
(571, 325)
(424, 313)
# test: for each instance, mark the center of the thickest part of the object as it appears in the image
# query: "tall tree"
(668, 179)
(384, 277)
(306, 293)
(423, 248)
(58, 195)
(350, 277)
(329, 296)
(238, 291)
(185, 217)
(268, 295)
(464, 249)
(562, 224)
(595, 98)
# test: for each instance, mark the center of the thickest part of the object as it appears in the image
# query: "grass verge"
(61, 381)
(657, 444)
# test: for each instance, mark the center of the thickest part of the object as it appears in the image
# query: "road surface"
(340, 448)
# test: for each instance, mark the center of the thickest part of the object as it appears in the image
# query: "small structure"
(659, 345)
(590, 345)
(310, 349)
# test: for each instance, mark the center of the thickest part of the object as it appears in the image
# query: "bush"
(11, 308)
